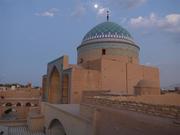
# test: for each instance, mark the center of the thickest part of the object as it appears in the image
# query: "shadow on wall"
(9, 114)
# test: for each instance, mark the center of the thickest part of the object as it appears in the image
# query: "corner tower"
(110, 39)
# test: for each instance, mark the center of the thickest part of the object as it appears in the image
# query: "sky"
(34, 32)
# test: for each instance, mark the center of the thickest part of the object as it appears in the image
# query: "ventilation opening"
(103, 51)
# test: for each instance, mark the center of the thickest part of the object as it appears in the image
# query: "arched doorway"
(28, 104)
(65, 87)
(18, 104)
(9, 110)
(54, 91)
(8, 104)
(56, 128)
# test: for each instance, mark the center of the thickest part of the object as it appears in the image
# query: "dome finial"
(107, 15)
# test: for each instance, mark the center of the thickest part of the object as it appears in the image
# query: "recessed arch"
(18, 104)
(65, 88)
(56, 128)
(54, 89)
(28, 104)
(9, 110)
(8, 104)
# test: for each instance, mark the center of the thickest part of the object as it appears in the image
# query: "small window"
(103, 51)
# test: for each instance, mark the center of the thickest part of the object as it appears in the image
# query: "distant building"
(3, 88)
(172, 90)
(15, 104)
(177, 88)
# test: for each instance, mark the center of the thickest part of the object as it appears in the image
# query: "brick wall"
(151, 105)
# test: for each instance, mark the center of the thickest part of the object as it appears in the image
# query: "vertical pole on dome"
(107, 15)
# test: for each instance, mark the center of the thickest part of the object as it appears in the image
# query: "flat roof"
(70, 108)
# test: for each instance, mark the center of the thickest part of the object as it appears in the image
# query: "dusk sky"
(34, 32)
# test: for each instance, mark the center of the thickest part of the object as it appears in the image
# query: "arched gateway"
(54, 91)
(56, 128)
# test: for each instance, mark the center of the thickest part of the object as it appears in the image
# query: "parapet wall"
(20, 93)
(18, 112)
(35, 120)
(151, 105)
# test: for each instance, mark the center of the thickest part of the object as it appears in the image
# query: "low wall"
(170, 111)
(111, 121)
(13, 122)
(35, 123)
(72, 122)
(21, 93)
(19, 112)
(165, 105)
(165, 99)
(35, 120)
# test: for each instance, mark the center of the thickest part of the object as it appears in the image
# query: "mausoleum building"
(107, 59)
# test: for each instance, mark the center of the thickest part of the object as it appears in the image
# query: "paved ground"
(4, 129)
(22, 131)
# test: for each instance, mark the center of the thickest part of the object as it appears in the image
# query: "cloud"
(140, 21)
(79, 10)
(123, 20)
(127, 3)
(105, 5)
(49, 13)
(82, 8)
(102, 11)
(169, 23)
(134, 3)
(100, 7)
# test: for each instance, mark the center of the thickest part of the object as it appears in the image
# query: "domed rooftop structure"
(107, 30)
(107, 38)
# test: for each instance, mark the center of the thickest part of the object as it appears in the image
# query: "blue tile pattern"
(107, 30)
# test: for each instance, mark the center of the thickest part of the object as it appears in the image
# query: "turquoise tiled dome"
(107, 30)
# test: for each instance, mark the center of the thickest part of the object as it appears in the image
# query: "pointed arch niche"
(56, 128)
(54, 95)
(65, 88)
